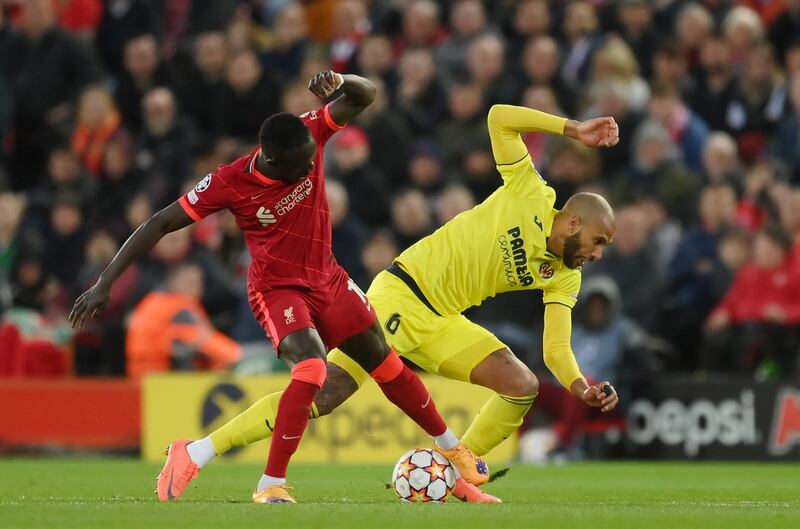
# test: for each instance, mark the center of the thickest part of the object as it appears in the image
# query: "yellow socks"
(253, 424)
(495, 422)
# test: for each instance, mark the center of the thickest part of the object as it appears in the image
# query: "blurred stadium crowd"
(109, 110)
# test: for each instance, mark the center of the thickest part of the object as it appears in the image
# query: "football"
(423, 475)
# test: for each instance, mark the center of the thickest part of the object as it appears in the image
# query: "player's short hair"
(281, 132)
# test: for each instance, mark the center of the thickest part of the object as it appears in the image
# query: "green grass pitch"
(116, 493)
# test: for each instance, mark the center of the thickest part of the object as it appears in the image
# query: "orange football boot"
(275, 494)
(467, 463)
(178, 471)
(469, 493)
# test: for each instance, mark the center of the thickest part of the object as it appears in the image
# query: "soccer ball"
(423, 475)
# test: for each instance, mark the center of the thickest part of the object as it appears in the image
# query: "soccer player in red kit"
(299, 293)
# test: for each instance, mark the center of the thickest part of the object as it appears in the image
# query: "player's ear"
(262, 153)
(574, 224)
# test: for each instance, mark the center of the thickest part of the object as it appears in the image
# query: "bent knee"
(523, 384)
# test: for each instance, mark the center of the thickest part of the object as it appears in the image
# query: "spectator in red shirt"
(756, 322)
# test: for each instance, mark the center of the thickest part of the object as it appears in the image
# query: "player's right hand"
(324, 84)
(89, 304)
(596, 398)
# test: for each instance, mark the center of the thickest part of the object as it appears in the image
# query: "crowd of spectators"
(109, 110)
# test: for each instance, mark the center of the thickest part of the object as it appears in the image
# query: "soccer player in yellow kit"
(514, 240)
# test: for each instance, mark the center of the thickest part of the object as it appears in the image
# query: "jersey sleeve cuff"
(188, 209)
(326, 114)
(527, 154)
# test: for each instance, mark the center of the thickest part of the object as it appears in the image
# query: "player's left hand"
(598, 132)
(324, 84)
(596, 398)
(90, 304)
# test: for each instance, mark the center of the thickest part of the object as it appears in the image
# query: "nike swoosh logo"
(169, 487)
(255, 197)
(427, 402)
(287, 438)
(538, 222)
(268, 425)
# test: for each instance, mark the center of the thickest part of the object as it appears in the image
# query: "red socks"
(294, 408)
(403, 388)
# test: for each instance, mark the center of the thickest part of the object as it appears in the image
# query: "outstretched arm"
(506, 122)
(93, 301)
(357, 94)
(560, 359)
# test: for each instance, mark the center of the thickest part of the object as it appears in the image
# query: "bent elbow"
(493, 117)
(370, 92)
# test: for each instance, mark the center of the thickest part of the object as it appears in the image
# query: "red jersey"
(287, 226)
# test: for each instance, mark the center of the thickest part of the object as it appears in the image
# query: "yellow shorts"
(450, 346)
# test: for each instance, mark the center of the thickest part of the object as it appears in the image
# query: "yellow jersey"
(498, 246)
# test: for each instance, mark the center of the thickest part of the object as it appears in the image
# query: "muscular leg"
(504, 373)
(369, 349)
(405, 390)
(338, 387)
(305, 353)
(400, 385)
(516, 388)
(257, 421)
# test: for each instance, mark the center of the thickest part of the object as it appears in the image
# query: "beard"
(572, 245)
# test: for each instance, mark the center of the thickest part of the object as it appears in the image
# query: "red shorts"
(337, 311)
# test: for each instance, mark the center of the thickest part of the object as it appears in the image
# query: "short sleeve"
(522, 178)
(321, 124)
(210, 195)
(564, 288)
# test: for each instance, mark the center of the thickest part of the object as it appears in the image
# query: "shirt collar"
(251, 168)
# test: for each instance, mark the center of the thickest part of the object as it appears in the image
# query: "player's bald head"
(582, 229)
(591, 208)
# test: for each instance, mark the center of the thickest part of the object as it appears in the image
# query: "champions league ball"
(423, 475)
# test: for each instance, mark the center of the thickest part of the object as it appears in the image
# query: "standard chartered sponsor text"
(300, 192)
